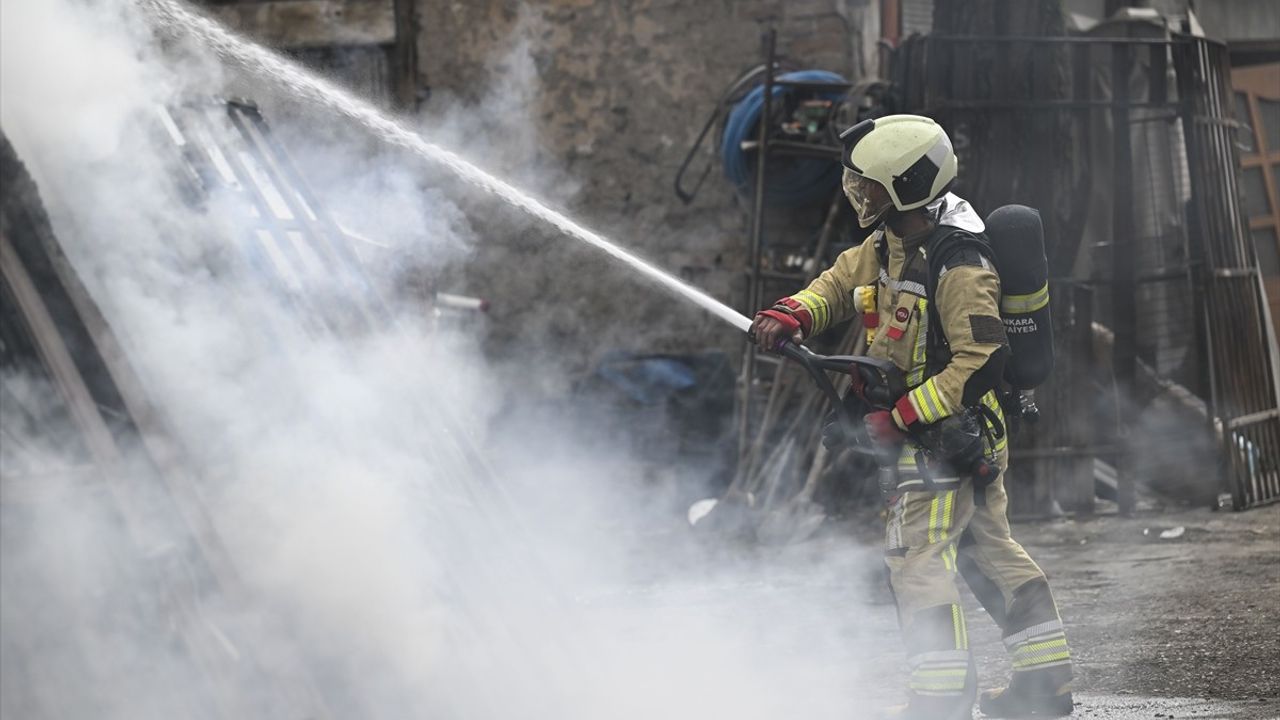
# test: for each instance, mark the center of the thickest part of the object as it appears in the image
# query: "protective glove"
(771, 327)
(838, 433)
(883, 430)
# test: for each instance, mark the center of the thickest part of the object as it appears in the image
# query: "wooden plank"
(208, 646)
(405, 55)
(312, 23)
(49, 487)
(56, 357)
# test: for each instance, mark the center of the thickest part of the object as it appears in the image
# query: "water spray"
(175, 16)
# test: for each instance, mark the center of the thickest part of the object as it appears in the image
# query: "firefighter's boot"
(1037, 642)
(930, 708)
(1034, 694)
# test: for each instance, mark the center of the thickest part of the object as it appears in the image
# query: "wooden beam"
(49, 487)
(405, 56)
(53, 351)
(312, 23)
(152, 428)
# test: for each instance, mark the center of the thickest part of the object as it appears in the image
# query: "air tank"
(1017, 239)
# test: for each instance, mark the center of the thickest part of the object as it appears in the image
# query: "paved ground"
(1113, 707)
(1185, 627)
(1197, 616)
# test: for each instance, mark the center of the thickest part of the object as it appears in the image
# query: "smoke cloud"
(406, 542)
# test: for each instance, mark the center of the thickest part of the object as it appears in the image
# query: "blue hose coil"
(792, 181)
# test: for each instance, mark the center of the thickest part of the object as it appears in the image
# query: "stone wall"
(603, 100)
(592, 104)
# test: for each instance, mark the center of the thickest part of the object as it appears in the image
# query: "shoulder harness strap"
(947, 244)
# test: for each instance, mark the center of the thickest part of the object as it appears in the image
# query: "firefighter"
(939, 322)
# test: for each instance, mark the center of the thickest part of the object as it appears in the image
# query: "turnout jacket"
(889, 290)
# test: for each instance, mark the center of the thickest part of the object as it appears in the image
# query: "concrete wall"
(592, 104)
(1234, 20)
(1229, 20)
(613, 94)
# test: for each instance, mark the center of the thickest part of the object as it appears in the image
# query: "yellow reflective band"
(1045, 660)
(824, 307)
(810, 306)
(991, 401)
(933, 393)
(957, 668)
(938, 685)
(957, 623)
(869, 306)
(933, 520)
(918, 351)
(940, 671)
(817, 306)
(1022, 304)
(940, 675)
(1049, 651)
(931, 407)
(1059, 642)
(927, 402)
(948, 504)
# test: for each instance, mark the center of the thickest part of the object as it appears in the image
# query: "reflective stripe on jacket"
(968, 304)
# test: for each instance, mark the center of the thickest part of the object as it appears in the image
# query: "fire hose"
(957, 443)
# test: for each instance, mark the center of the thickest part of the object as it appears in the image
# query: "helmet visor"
(867, 197)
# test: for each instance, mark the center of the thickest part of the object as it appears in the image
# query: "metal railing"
(1240, 341)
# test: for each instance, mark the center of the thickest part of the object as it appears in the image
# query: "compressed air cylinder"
(1017, 237)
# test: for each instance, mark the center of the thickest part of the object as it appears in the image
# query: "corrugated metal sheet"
(917, 17)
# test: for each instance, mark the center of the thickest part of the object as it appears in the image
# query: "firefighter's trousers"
(931, 536)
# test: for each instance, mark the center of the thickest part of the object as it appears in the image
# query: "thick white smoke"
(398, 558)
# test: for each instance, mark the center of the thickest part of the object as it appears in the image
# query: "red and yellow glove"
(786, 320)
(883, 429)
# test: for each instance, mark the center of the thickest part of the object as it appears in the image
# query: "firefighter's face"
(869, 199)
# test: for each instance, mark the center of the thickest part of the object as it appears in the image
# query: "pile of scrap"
(103, 443)
(83, 431)
(786, 481)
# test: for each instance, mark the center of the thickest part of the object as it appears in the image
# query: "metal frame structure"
(1215, 267)
(371, 44)
(767, 146)
(123, 445)
(130, 457)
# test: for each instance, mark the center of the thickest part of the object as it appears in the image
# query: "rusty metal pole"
(762, 153)
(890, 33)
(757, 243)
(1124, 314)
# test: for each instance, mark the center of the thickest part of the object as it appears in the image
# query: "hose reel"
(809, 110)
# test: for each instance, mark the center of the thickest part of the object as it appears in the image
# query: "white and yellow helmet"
(910, 156)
